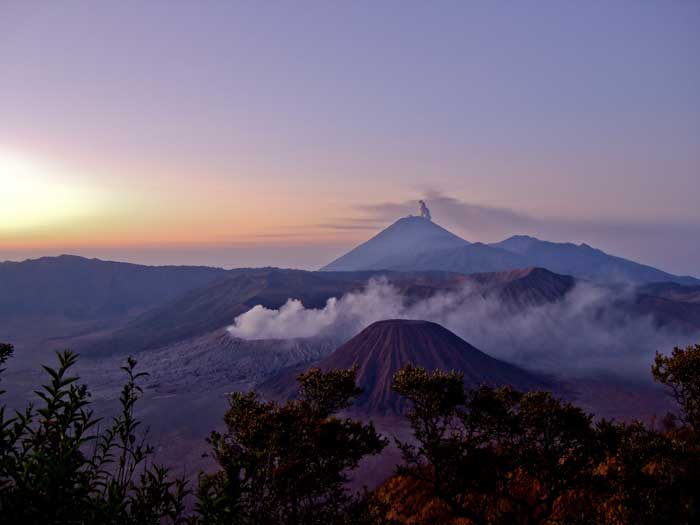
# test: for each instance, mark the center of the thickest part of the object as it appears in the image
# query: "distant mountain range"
(80, 288)
(217, 304)
(418, 244)
(103, 307)
(174, 319)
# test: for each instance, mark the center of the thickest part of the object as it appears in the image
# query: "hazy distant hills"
(175, 318)
(79, 288)
(585, 262)
(217, 304)
(672, 292)
(382, 348)
(101, 308)
(525, 287)
(417, 244)
(141, 307)
(669, 303)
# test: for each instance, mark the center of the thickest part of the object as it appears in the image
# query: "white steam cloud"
(587, 330)
(290, 321)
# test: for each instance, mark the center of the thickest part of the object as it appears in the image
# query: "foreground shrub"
(501, 456)
(680, 372)
(57, 467)
(288, 463)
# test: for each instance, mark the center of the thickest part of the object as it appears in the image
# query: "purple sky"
(242, 133)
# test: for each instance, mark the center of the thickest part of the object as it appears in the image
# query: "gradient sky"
(243, 133)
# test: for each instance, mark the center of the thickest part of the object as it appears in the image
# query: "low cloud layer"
(582, 333)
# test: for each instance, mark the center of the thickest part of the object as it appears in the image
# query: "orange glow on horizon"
(51, 206)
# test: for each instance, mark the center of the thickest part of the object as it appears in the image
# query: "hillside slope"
(586, 262)
(80, 288)
(216, 305)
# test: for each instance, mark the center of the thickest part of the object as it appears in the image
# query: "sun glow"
(36, 196)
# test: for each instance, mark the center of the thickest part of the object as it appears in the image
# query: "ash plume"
(424, 211)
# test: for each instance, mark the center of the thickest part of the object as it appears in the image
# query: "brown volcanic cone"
(382, 348)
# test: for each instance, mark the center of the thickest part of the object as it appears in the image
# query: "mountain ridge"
(420, 252)
(585, 261)
(82, 288)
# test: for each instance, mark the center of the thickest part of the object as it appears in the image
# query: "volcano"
(384, 347)
(394, 246)
(417, 244)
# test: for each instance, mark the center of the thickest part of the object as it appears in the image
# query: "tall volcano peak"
(404, 239)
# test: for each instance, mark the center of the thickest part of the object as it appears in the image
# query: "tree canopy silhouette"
(288, 463)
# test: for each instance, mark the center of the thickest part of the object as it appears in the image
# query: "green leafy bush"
(57, 466)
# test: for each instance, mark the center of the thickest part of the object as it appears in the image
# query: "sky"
(283, 133)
